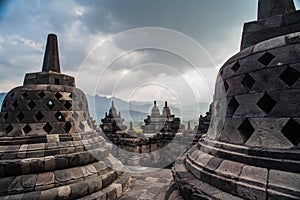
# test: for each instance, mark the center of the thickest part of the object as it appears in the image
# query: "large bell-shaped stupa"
(48, 148)
(252, 148)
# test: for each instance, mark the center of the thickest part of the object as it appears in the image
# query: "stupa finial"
(269, 8)
(51, 57)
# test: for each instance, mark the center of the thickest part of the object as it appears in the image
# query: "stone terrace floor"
(150, 185)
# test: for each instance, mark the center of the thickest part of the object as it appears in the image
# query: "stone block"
(283, 98)
(94, 184)
(50, 194)
(268, 80)
(50, 163)
(229, 169)
(245, 107)
(285, 182)
(29, 181)
(268, 134)
(5, 184)
(230, 132)
(111, 192)
(64, 192)
(45, 180)
(255, 175)
(61, 162)
(25, 165)
(270, 44)
(251, 192)
(60, 177)
(285, 55)
(79, 189)
(74, 173)
(37, 165)
(52, 138)
(16, 185)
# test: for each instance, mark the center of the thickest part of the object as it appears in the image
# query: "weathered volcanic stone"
(252, 148)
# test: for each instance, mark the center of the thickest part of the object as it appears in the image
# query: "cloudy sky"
(133, 49)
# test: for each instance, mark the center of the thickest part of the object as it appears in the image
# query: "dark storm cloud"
(82, 25)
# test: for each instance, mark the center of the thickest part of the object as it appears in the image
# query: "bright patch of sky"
(99, 47)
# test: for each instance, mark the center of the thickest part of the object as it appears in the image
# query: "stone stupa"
(48, 147)
(252, 148)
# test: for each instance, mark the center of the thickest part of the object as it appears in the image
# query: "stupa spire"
(269, 8)
(51, 57)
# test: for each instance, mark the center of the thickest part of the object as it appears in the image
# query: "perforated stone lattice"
(31, 104)
(20, 116)
(67, 127)
(68, 105)
(233, 105)
(58, 95)
(290, 76)
(266, 103)
(50, 105)
(41, 94)
(39, 116)
(27, 129)
(48, 128)
(226, 86)
(236, 66)
(246, 130)
(266, 58)
(291, 131)
(248, 82)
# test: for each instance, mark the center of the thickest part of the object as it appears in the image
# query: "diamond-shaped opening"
(221, 72)
(70, 95)
(67, 127)
(89, 123)
(5, 116)
(266, 59)
(248, 82)
(15, 104)
(27, 129)
(20, 116)
(24, 95)
(59, 116)
(12, 95)
(226, 86)
(75, 116)
(56, 81)
(41, 94)
(291, 131)
(236, 66)
(290, 76)
(266, 103)
(58, 95)
(246, 130)
(80, 105)
(82, 126)
(9, 128)
(233, 105)
(31, 105)
(39, 116)
(68, 105)
(84, 115)
(48, 128)
(50, 105)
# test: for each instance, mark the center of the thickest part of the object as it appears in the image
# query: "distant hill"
(136, 111)
(2, 96)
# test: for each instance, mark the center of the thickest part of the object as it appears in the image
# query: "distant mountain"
(135, 110)
(2, 96)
